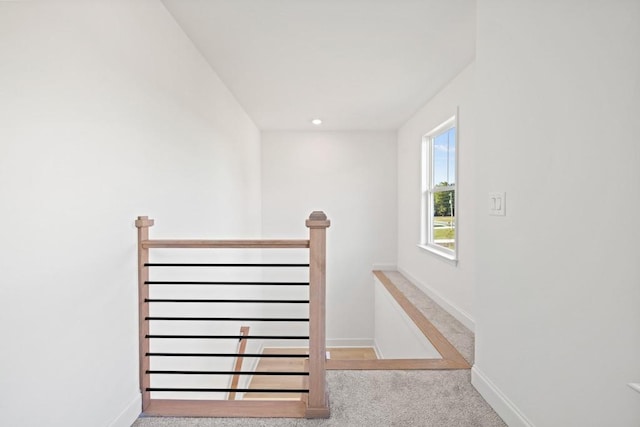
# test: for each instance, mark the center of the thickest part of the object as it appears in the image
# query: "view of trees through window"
(444, 232)
(439, 196)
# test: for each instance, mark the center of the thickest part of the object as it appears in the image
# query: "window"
(439, 173)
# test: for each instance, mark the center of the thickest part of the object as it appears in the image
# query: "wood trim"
(392, 364)
(228, 244)
(304, 397)
(143, 223)
(314, 412)
(242, 346)
(226, 408)
(444, 347)
(324, 412)
(311, 413)
(318, 404)
(451, 358)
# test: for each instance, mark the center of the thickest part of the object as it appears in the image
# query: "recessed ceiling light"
(316, 122)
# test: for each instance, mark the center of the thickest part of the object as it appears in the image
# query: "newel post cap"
(318, 219)
(144, 221)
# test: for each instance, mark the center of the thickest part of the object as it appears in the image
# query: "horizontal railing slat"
(235, 337)
(164, 282)
(190, 264)
(230, 319)
(275, 373)
(225, 244)
(243, 390)
(257, 355)
(261, 301)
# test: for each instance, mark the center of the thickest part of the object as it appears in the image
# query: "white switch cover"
(497, 203)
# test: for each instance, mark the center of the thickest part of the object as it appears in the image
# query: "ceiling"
(356, 64)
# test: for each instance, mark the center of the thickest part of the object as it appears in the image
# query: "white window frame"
(428, 189)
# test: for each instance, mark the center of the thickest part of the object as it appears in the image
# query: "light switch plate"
(497, 203)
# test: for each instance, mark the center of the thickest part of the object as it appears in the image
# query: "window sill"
(447, 257)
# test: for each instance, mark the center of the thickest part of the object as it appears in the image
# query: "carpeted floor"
(388, 398)
(379, 398)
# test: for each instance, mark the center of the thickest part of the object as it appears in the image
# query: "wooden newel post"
(143, 223)
(318, 402)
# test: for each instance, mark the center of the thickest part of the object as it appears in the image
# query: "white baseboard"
(378, 352)
(129, 414)
(507, 410)
(462, 316)
(384, 267)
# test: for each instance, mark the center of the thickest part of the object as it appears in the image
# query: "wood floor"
(295, 365)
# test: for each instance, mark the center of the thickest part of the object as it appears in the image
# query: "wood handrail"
(225, 244)
(237, 366)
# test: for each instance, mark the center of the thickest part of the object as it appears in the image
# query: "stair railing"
(316, 403)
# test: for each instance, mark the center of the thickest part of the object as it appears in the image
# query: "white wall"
(352, 177)
(107, 111)
(396, 336)
(557, 313)
(452, 286)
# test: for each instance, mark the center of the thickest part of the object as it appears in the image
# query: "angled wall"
(451, 285)
(107, 112)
